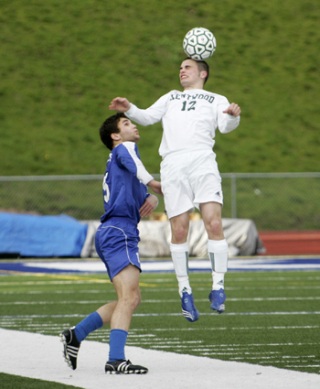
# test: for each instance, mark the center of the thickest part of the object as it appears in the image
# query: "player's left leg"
(72, 337)
(217, 251)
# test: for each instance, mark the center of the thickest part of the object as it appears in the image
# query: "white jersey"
(189, 119)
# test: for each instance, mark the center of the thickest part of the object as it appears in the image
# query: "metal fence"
(275, 201)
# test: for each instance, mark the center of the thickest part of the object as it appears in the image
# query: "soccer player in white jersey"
(189, 172)
(125, 199)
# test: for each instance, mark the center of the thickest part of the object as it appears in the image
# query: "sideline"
(39, 356)
(150, 266)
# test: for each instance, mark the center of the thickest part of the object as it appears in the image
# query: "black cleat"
(70, 347)
(124, 367)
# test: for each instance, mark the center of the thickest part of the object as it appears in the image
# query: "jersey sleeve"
(151, 115)
(226, 122)
(129, 159)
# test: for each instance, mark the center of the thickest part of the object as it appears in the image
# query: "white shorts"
(189, 179)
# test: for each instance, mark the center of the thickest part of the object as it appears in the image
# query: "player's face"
(128, 131)
(190, 75)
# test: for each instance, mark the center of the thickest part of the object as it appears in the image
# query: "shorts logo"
(218, 194)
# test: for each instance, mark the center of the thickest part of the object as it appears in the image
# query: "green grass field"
(63, 61)
(272, 318)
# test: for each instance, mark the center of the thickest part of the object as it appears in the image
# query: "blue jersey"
(124, 183)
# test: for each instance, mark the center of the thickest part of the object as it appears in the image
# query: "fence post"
(233, 196)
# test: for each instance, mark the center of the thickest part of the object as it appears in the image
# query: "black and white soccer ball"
(199, 43)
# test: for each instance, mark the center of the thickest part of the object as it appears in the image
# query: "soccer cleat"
(189, 310)
(124, 367)
(217, 299)
(70, 347)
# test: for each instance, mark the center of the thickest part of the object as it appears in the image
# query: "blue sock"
(87, 325)
(118, 339)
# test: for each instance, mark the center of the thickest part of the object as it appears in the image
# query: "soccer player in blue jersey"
(126, 200)
(189, 171)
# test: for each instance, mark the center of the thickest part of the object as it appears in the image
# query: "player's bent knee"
(214, 227)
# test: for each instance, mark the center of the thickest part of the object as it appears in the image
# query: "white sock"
(180, 256)
(218, 255)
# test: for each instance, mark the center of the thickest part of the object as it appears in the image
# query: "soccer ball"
(199, 43)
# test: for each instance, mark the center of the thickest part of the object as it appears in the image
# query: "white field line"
(96, 266)
(151, 301)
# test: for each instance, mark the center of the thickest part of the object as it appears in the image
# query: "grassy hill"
(63, 61)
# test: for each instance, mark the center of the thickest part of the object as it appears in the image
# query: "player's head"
(193, 73)
(117, 129)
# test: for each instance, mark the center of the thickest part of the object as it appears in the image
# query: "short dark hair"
(202, 65)
(108, 127)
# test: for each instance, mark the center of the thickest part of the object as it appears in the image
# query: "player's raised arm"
(120, 104)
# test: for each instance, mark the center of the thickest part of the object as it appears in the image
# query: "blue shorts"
(117, 242)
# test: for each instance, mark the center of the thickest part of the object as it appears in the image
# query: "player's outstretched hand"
(149, 205)
(120, 104)
(233, 110)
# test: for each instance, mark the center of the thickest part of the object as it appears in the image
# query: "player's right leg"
(178, 199)
(117, 245)
(126, 284)
(180, 255)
